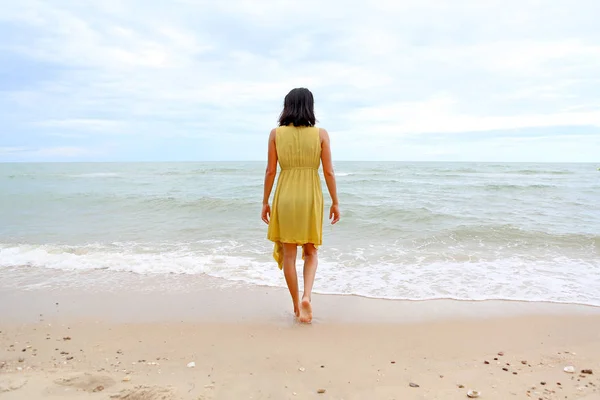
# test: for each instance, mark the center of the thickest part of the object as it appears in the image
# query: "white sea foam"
(509, 279)
(96, 175)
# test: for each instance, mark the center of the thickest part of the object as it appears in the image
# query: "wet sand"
(138, 344)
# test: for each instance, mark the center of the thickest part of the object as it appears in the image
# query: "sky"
(406, 80)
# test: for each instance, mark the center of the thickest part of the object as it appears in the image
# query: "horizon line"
(264, 161)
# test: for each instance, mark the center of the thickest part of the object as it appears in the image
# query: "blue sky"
(148, 80)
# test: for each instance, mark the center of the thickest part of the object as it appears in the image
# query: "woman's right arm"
(334, 213)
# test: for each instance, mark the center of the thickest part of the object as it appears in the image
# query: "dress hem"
(298, 242)
(278, 249)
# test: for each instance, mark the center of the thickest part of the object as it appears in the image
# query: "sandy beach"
(244, 344)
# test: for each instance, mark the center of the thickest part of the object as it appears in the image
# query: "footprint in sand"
(10, 385)
(86, 382)
(145, 393)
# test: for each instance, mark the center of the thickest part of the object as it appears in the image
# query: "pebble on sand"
(413, 385)
(321, 391)
(500, 353)
(587, 371)
(191, 365)
(472, 394)
(570, 369)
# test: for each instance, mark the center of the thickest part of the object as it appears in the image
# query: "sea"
(415, 231)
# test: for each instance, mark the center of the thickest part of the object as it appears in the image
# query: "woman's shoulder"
(323, 134)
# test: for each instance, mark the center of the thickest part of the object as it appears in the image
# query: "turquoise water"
(408, 230)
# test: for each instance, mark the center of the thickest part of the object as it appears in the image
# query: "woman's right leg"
(311, 260)
(289, 271)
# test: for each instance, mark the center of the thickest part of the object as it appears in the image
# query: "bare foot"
(305, 311)
(297, 311)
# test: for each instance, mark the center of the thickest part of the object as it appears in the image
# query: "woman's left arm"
(270, 174)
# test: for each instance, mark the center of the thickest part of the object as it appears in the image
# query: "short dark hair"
(298, 108)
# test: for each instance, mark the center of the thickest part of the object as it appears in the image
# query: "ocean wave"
(513, 186)
(538, 172)
(42, 176)
(399, 216)
(507, 234)
(95, 175)
(218, 170)
(514, 277)
(455, 171)
(201, 171)
(201, 203)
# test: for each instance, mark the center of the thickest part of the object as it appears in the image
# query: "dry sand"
(240, 361)
(85, 349)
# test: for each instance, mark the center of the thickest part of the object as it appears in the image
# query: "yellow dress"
(297, 211)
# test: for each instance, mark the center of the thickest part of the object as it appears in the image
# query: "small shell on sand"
(472, 394)
(191, 365)
(570, 369)
(127, 378)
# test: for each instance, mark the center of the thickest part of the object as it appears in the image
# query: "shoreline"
(202, 298)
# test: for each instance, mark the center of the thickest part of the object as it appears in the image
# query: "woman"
(297, 215)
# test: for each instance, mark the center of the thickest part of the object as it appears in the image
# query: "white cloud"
(11, 150)
(66, 152)
(438, 115)
(44, 153)
(85, 124)
(200, 69)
